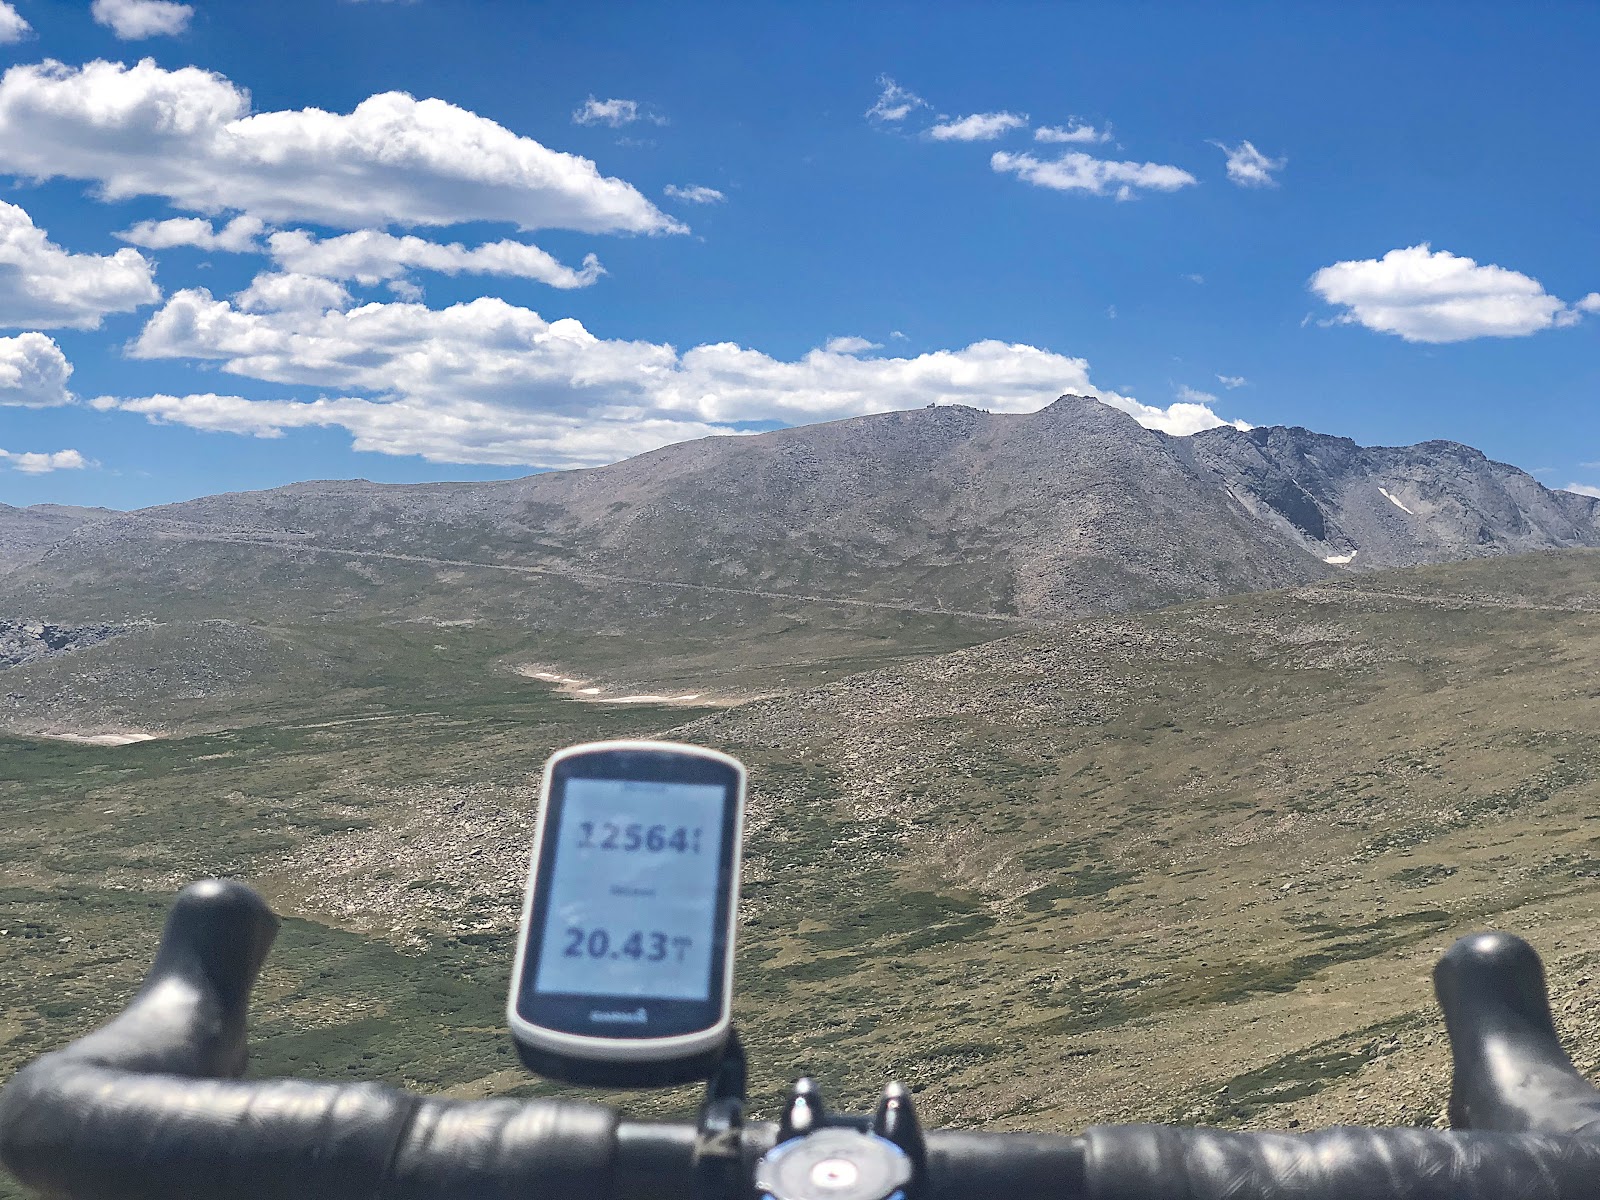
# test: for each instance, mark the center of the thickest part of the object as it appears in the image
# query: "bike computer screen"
(624, 969)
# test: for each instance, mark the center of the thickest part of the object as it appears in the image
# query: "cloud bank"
(189, 136)
(489, 382)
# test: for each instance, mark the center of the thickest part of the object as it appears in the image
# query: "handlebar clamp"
(824, 1157)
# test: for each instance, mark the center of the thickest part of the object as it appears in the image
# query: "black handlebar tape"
(120, 1113)
(1510, 1071)
(1160, 1162)
(1003, 1166)
(79, 1131)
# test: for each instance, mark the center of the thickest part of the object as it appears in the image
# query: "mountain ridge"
(1070, 510)
(28, 533)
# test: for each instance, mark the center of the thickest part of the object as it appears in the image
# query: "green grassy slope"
(1176, 848)
(226, 635)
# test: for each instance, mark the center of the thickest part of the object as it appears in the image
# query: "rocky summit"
(1383, 506)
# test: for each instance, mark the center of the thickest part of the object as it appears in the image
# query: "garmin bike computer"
(624, 969)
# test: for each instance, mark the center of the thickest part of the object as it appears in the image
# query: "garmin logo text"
(601, 1017)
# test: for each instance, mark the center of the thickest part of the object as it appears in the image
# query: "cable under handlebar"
(137, 1109)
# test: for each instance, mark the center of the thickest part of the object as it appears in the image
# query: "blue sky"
(244, 244)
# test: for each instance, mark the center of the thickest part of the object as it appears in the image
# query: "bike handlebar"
(138, 1109)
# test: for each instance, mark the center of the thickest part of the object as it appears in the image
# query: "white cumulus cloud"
(489, 382)
(289, 291)
(238, 236)
(454, 431)
(132, 20)
(12, 27)
(894, 102)
(1076, 171)
(979, 127)
(695, 194)
(33, 372)
(47, 287)
(1583, 489)
(370, 256)
(1248, 167)
(1181, 419)
(1427, 295)
(37, 463)
(1232, 381)
(188, 135)
(1076, 131)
